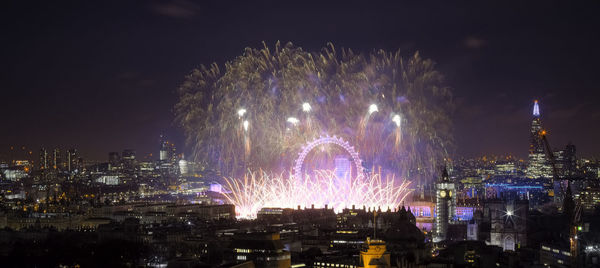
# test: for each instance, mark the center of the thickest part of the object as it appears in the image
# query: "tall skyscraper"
(163, 154)
(445, 205)
(173, 157)
(45, 159)
(538, 166)
(128, 158)
(72, 163)
(58, 163)
(559, 163)
(570, 161)
(168, 152)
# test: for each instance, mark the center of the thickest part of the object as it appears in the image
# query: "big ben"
(444, 206)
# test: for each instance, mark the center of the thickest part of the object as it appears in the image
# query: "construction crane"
(573, 211)
(550, 156)
(555, 178)
(574, 229)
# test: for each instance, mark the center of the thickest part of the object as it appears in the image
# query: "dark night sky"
(102, 76)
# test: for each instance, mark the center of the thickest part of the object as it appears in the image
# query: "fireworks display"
(256, 191)
(268, 103)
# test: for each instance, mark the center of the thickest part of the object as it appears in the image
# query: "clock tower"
(445, 206)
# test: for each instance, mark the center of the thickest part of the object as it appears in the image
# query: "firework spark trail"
(270, 85)
(258, 190)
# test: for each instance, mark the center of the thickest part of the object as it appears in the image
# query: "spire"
(536, 109)
(445, 177)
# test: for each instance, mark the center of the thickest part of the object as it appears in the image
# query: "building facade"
(508, 223)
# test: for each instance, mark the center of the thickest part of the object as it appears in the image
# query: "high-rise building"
(45, 159)
(173, 157)
(570, 161)
(128, 159)
(163, 154)
(128, 155)
(72, 161)
(445, 206)
(538, 166)
(114, 159)
(57, 159)
(559, 163)
(168, 152)
(508, 169)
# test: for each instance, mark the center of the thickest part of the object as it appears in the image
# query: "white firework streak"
(260, 190)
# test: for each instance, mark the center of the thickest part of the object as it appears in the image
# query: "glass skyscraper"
(538, 166)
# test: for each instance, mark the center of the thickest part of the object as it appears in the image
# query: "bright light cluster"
(258, 190)
(373, 108)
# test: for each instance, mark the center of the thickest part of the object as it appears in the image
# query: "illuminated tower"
(72, 161)
(164, 149)
(57, 158)
(173, 157)
(445, 206)
(538, 164)
(45, 159)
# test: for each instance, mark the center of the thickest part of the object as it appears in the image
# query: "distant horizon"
(98, 158)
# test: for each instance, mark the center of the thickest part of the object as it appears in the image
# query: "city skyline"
(22, 152)
(353, 134)
(132, 72)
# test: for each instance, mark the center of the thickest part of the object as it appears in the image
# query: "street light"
(306, 107)
(373, 108)
(246, 123)
(241, 112)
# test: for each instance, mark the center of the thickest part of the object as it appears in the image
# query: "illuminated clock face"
(443, 193)
(450, 193)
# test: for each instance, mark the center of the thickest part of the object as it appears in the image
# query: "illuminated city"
(181, 133)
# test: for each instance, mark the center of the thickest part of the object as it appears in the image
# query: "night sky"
(102, 76)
